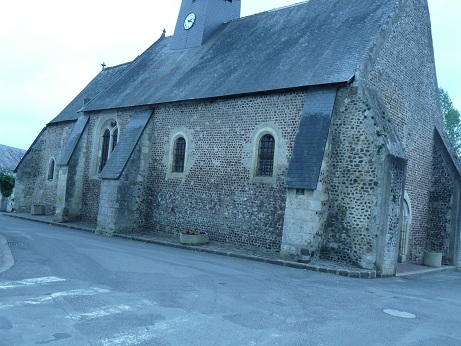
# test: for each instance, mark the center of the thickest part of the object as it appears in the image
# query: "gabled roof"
(10, 157)
(96, 86)
(313, 43)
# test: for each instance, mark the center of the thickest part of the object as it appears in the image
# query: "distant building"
(314, 130)
(9, 159)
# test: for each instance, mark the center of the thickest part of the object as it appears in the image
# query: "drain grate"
(14, 243)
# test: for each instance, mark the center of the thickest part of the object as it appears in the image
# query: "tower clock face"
(189, 21)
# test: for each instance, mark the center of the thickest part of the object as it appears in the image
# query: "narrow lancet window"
(108, 142)
(51, 169)
(266, 151)
(179, 153)
(105, 149)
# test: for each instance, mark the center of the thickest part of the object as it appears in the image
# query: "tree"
(6, 183)
(452, 120)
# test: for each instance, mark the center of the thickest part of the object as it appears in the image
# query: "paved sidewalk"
(232, 250)
(408, 269)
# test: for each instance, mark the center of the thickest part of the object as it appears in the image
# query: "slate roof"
(313, 43)
(10, 157)
(73, 140)
(309, 148)
(102, 80)
(124, 149)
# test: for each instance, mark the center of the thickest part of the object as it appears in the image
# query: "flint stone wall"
(403, 71)
(355, 161)
(33, 185)
(218, 192)
(440, 199)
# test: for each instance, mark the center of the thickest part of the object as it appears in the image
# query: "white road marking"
(133, 336)
(81, 292)
(52, 296)
(397, 313)
(102, 312)
(29, 282)
(43, 280)
(21, 234)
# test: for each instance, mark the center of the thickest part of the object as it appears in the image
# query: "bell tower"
(199, 19)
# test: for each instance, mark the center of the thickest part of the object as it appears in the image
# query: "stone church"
(314, 130)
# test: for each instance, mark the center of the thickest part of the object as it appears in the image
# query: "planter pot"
(193, 239)
(432, 259)
(37, 209)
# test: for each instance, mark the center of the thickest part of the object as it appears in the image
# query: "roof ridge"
(119, 65)
(271, 10)
(300, 45)
(288, 6)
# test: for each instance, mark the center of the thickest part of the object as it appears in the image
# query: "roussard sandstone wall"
(305, 216)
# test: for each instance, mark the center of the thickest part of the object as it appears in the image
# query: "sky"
(51, 49)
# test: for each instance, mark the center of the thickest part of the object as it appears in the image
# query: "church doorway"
(405, 231)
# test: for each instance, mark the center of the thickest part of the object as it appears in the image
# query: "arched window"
(51, 169)
(179, 154)
(266, 150)
(108, 142)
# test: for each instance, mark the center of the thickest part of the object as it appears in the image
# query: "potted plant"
(37, 209)
(189, 237)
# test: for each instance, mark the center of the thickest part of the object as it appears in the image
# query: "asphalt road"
(69, 287)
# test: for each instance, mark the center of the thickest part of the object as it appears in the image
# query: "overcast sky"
(51, 49)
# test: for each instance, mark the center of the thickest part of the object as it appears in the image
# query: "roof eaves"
(28, 150)
(337, 84)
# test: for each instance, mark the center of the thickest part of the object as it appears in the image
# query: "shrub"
(6, 183)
